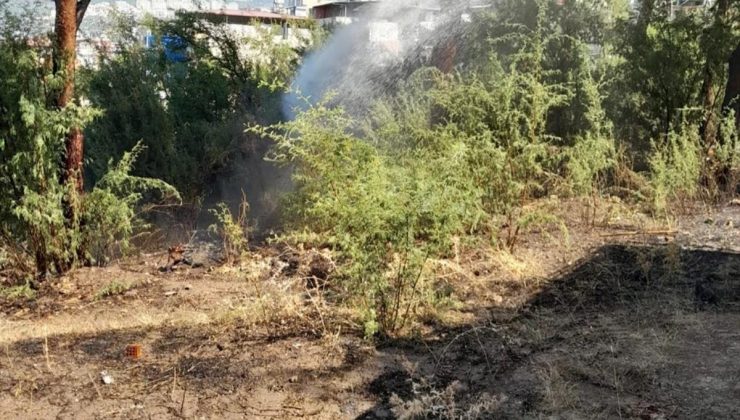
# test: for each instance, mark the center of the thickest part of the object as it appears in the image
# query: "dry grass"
(429, 402)
(559, 394)
(77, 324)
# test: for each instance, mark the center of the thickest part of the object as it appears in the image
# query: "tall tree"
(69, 14)
(732, 91)
(715, 39)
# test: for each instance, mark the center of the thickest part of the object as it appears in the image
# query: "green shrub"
(593, 153)
(20, 292)
(189, 114)
(106, 218)
(723, 171)
(676, 167)
(109, 212)
(113, 288)
(383, 216)
(445, 156)
(232, 230)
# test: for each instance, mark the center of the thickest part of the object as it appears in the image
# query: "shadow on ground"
(630, 332)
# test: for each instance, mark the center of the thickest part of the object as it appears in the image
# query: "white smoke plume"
(366, 57)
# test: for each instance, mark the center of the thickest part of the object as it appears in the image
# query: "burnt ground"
(615, 325)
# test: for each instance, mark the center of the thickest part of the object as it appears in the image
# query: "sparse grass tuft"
(20, 292)
(113, 288)
(559, 394)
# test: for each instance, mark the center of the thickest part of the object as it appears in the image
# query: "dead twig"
(667, 232)
(97, 390)
(174, 381)
(182, 402)
(321, 315)
(473, 330)
(46, 350)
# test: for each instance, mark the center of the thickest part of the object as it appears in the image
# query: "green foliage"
(114, 288)
(127, 88)
(593, 152)
(233, 230)
(20, 292)
(382, 217)
(106, 217)
(189, 114)
(663, 68)
(31, 147)
(728, 151)
(445, 156)
(109, 212)
(675, 167)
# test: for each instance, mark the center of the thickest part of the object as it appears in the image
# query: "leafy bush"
(383, 217)
(445, 156)
(722, 169)
(33, 203)
(593, 153)
(676, 167)
(20, 292)
(31, 147)
(106, 219)
(109, 212)
(189, 114)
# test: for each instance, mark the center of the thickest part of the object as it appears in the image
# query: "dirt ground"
(629, 319)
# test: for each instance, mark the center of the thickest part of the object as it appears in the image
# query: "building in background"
(300, 8)
(249, 23)
(342, 12)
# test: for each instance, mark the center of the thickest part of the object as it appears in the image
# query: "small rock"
(106, 378)
(293, 379)
(170, 293)
(498, 299)
(735, 202)
(188, 287)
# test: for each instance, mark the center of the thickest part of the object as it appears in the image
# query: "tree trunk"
(69, 14)
(712, 71)
(709, 123)
(444, 55)
(732, 91)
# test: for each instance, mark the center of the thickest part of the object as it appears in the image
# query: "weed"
(232, 230)
(20, 292)
(113, 288)
(675, 167)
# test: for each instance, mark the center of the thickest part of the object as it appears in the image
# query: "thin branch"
(81, 9)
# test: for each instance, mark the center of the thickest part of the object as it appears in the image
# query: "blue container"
(175, 48)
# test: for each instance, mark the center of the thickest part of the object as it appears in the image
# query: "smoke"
(365, 59)
(360, 63)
